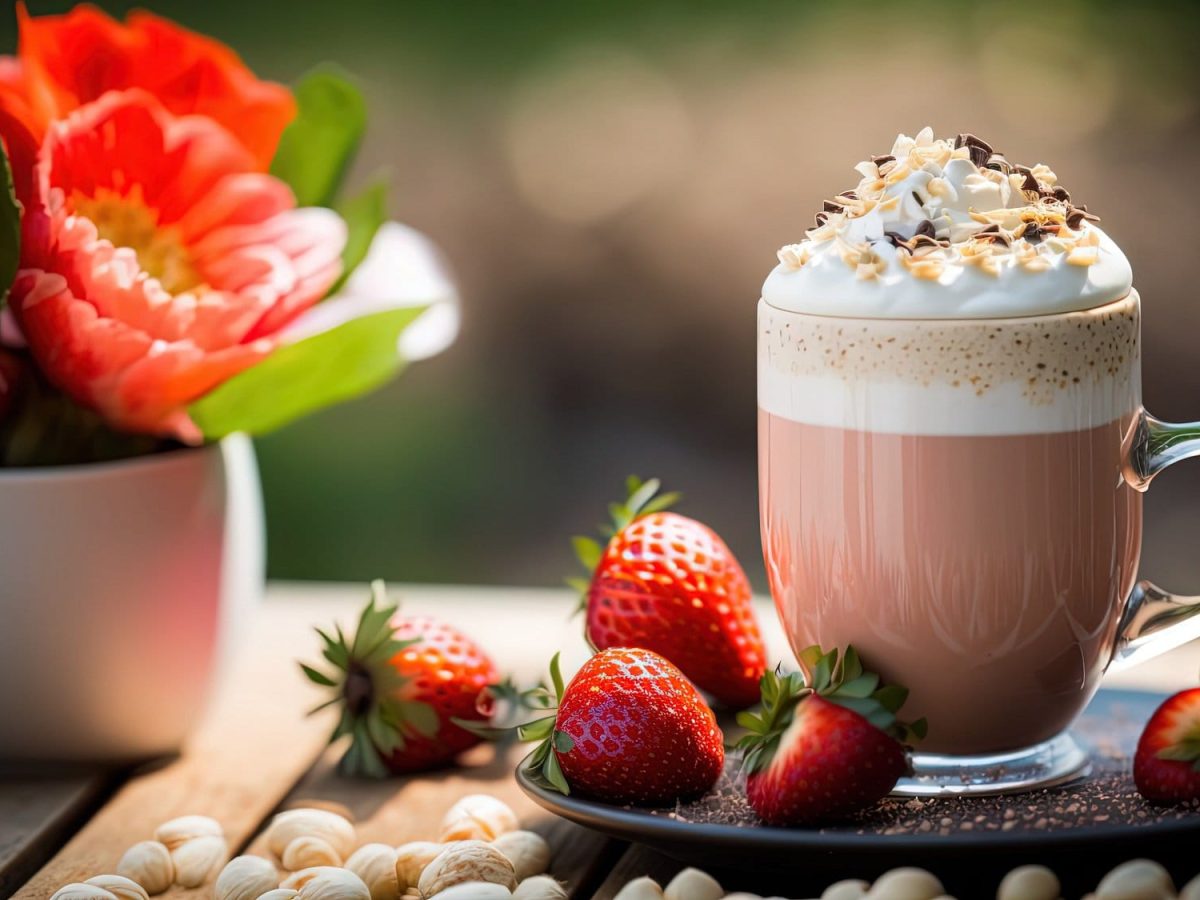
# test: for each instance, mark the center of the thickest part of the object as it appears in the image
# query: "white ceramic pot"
(123, 586)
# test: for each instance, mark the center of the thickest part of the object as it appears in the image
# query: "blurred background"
(610, 182)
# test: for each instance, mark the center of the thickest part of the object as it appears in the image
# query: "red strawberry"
(820, 752)
(629, 728)
(400, 681)
(669, 584)
(1166, 766)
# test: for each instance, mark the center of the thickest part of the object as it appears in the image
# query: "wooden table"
(256, 752)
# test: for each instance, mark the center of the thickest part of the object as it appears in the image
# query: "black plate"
(1078, 853)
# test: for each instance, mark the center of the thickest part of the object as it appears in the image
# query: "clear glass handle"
(1155, 620)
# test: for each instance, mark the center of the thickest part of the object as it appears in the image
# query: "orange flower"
(66, 61)
(157, 262)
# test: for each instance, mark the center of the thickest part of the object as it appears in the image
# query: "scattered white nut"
(198, 859)
(375, 864)
(1138, 879)
(330, 883)
(474, 890)
(307, 852)
(1191, 890)
(120, 887)
(539, 887)
(178, 831)
(279, 894)
(477, 817)
(411, 860)
(320, 823)
(463, 862)
(149, 864)
(644, 888)
(1030, 883)
(906, 884)
(692, 884)
(847, 889)
(246, 878)
(527, 851)
(80, 891)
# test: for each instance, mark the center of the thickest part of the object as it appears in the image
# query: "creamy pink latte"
(976, 546)
(948, 373)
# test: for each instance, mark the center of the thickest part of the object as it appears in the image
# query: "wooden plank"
(251, 748)
(38, 811)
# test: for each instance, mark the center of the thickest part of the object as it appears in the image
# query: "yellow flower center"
(127, 222)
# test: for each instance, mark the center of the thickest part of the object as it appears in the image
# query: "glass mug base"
(1050, 763)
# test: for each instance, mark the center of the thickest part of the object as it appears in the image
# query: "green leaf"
(641, 496)
(420, 717)
(10, 229)
(537, 730)
(891, 697)
(317, 147)
(588, 551)
(301, 378)
(578, 585)
(317, 676)
(862, 686)
(556, 675)
(363, 214)
(554, 774)
(563, 742)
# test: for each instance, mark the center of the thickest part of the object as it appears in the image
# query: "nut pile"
(481, 853)
(1139, 879)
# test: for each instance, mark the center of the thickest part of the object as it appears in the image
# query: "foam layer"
(949, 229)
(1036, 375)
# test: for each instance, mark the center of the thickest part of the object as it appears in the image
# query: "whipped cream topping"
(941, 229)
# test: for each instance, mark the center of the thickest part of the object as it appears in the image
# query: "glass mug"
(961, 499)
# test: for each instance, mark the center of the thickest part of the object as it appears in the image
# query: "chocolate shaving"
(992, 233)
(999, 163)
(923, 238)
(1052, 200)
(980, 150)
(1077, 215)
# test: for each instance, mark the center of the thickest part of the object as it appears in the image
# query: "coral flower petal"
(73, 59)
(157, 263)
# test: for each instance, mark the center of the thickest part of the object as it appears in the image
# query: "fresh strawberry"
(400, 681)
(629, 728)
(1166, 766)
(821, 751)
(669, 584)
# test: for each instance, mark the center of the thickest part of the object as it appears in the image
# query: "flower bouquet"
(178, 267)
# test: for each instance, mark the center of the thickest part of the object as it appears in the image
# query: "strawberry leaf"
(588, 551)
(556, 676)
(563, 742)
(317, 677)
(420, 717)
(537, 730)
(554, 774)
